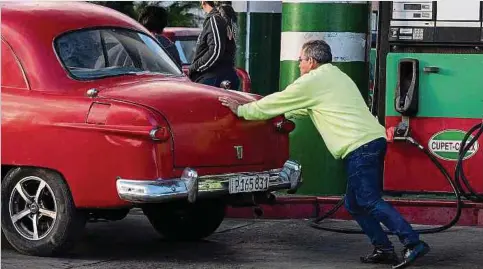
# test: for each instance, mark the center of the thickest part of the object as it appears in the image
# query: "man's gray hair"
(318, 50)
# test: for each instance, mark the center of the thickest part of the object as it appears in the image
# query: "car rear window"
(98, 53)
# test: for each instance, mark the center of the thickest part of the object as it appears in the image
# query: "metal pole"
(345, 27)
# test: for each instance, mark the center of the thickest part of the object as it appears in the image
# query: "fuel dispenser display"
(430, 81)
(436, 22)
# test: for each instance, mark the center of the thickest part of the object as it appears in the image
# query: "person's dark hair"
(209, 3)
(227, 12)
(154, 18)
(318, 50)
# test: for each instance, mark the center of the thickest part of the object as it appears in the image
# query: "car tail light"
(283, 125)
(159, 134)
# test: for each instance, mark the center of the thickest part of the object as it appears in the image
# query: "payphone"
(430, 75)
(407, 89)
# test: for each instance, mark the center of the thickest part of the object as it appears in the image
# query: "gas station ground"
(243, 243)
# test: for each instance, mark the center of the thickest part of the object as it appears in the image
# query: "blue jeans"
(364, 200)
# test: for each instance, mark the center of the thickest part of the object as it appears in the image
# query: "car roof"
(31, 27)
(57, 17)
(183, 31)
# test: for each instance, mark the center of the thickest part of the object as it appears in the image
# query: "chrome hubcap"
(33, 209)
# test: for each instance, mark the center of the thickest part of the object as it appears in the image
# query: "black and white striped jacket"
(215, 49)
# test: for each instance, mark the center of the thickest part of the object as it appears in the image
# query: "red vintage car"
(97, 120)
(185, 39)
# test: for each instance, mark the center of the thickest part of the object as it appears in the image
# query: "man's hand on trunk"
(231, 103)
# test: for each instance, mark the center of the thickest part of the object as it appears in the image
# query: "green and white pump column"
(259, 30)
(345, 27)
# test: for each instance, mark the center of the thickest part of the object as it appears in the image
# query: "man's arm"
(216, 39)
(296, 96)
(297, 113)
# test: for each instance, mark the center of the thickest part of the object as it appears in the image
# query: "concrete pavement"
(132, 243)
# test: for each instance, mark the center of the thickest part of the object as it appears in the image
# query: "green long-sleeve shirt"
(333, 102)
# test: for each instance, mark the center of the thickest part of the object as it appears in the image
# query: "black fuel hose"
(459, 204)
(459, 171)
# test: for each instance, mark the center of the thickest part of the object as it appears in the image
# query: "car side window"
(12, 74)
(115, 54)
(81, 51)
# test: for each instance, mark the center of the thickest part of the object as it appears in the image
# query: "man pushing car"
(334, 104)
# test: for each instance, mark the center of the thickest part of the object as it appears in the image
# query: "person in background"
(214, 60)
(155, 19)
(336, 107)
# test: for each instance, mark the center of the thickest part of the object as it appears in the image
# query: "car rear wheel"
(184, 221)
(38, 213)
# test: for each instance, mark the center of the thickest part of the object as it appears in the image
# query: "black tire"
(5, 243)
(182, 221)
(65, 228)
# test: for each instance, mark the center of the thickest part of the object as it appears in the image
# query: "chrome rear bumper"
(189, 186)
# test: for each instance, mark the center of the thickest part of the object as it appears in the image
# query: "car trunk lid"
(205, 133)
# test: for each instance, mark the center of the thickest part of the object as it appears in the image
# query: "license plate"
(249, 183)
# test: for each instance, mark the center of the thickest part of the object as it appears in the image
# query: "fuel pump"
(428, 88)
(428, 94)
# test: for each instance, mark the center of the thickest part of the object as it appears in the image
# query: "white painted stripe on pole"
(266, 7)
(258, 6)
(345, 46)
(240, 6)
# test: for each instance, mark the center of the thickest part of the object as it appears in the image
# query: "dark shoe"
(381, 256)
(412, 253)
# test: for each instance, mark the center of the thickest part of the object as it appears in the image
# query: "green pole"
(258, 45)
(345, 27)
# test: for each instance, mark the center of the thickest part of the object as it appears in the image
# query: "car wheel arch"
(12, 170)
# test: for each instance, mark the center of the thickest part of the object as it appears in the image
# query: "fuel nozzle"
(401, 131)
